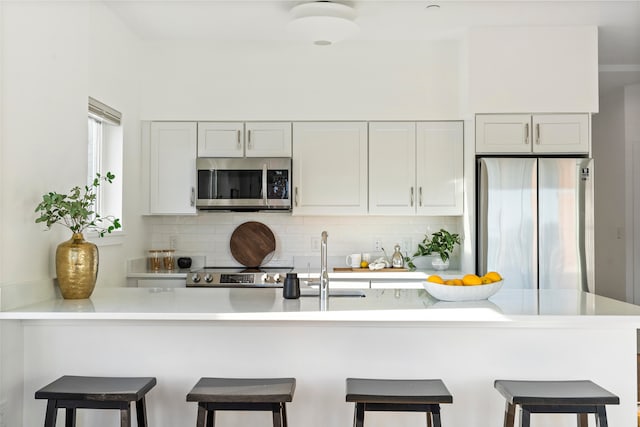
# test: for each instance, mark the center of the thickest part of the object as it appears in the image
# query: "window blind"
(103, 112)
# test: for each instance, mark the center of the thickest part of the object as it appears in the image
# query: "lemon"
(471, 280)
(364, 264)
(485, 280)
(495, 277)
(434, 278)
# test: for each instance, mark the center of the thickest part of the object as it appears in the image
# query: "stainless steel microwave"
(244, 183)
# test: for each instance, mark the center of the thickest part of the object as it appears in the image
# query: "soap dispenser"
(397, 260)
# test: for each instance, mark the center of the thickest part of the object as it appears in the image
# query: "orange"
(471, 280)
(450, 282)
(495, 277)
(435, 279)
(457, 282)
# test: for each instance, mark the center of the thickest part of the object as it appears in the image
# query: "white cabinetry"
(440, 168)
(392, 168)
(330, 168)
(532, 133)
(416, 168)
(238, 139)
(172, 168)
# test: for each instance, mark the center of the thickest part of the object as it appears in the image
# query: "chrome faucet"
(324, 275)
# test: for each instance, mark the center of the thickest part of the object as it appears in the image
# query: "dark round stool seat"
(581, 397)
(242, 394)
(392, 395)
(73, 392)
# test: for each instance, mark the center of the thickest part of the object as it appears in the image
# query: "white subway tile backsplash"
(297, 237)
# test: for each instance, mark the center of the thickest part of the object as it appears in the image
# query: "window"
(105, 139)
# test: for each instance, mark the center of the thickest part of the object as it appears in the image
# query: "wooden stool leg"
(276, 413)
(429, 420)
(359, 415)
(509, 414)
(125, 416)
(211, 418)
(52, 413)
(583, 420)
(435, 415)
(601, 416)
(283, 411)
(70, 417)
(141, 412)
(202, 415)
(525, 417)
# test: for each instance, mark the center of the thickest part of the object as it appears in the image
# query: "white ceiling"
(397, 20)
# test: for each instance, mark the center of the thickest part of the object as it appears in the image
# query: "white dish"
(462, 293)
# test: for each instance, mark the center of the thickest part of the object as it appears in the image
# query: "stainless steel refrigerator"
(535, 221)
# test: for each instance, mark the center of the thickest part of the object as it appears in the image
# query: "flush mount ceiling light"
(323, 22)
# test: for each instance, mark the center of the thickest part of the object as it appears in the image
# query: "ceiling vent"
(323, 22)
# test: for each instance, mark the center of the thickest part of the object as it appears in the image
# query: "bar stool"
(242, 394)
(397, 396)
(548, 397)
(73, 392)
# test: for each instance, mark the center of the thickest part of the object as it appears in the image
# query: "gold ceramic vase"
(77, 267)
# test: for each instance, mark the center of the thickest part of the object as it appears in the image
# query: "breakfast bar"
(180, 335)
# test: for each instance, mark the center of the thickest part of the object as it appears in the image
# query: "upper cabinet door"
(220, 139)
(561, 133)
(503, 133)
(270, 139)
(172, 168)
(392, 166)
(330, 168)
(440, 168)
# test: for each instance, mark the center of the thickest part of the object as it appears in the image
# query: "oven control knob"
(276, 278)
(195, 278)
(264, 278)
(208, 278)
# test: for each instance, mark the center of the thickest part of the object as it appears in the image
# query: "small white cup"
(354, 260)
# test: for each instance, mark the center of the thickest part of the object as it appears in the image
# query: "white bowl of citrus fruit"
(468, 288)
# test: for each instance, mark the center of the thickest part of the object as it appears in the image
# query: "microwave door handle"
(265, 201)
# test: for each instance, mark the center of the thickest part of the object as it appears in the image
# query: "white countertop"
(505, 308)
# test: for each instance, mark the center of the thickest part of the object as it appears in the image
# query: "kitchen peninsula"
(179, 335)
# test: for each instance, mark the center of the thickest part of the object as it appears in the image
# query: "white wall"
(114, 79)
(533, 69)
(44, 125)
(272, 81)
(608, 141)
(632, 178)
(54, 56)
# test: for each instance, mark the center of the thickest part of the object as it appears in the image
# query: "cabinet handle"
(239, 145)
(296, 197)
(526, 133)
(411, 196)
(420, 195)
(538, 133)
(249, 139)
(193, 196)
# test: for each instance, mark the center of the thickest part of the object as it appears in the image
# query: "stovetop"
(238, 277)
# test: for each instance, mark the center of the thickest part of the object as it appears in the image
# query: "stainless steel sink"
(306, 291)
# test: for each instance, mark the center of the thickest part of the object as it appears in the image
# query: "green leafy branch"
(441, 242)
(76, 210)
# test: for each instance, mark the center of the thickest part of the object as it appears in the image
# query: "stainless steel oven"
(244, 183)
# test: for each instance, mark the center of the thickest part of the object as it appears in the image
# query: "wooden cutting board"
(251, 243)
(366, 270)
